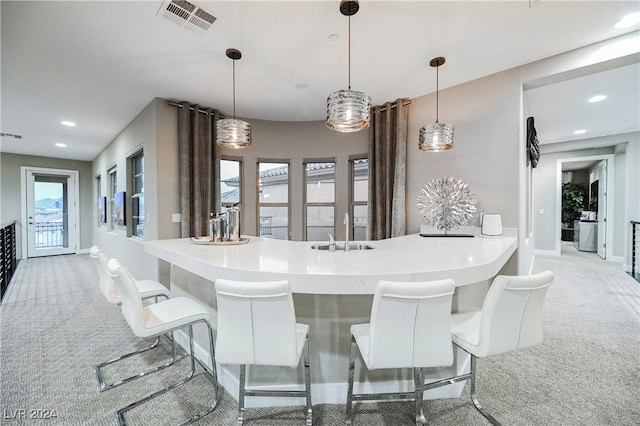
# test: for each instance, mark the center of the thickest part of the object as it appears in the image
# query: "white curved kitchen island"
(332, 291)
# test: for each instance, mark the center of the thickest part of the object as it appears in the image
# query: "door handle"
(30, 223)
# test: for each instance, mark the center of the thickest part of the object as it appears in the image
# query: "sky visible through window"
(44, 190)
(229, 169)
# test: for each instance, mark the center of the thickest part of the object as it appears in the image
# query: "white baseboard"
(626, 268)
(83, 251)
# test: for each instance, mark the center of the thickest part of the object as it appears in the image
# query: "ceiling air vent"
(187, 15)
(10, 135)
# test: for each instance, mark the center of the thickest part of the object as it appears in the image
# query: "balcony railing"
(266, 226)
(7, 255)
(49, 234)
(635, 249)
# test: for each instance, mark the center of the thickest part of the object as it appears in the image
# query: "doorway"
(604, 183)
(50, 211)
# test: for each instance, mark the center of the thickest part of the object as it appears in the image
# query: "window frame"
(112, 173)
(136, 196)
(352, 202)
(98, 183)
(240, 203)
(305, 201)
(259, 204)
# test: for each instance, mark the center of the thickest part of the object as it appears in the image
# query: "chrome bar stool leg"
(474, 399)
(241, 389)
(98, 368)
(419, 386)
(352, 367)
(212, 374)
(121, 412)
(106, 386)
(307, 383)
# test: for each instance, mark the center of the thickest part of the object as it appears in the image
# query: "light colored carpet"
(55, 325)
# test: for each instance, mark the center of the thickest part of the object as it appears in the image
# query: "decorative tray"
(206, 241)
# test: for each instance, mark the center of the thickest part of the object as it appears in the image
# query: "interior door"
(51, 212)
(602, 209)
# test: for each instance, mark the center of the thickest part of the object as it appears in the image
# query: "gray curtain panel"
(387, 170)
(199, 168)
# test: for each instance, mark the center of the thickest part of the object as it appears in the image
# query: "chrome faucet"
(346, 232)
(332, 243)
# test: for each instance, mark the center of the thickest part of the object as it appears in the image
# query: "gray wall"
(155, 130)
(620, 228)
(10, 196)
(485, 114)
(579, 177)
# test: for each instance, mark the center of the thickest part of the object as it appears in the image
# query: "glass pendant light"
(231, 132)
(348, 110)
(436, 136)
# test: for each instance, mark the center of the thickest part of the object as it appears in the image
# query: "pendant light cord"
(234, 89)
(437, 91)
(349, 52)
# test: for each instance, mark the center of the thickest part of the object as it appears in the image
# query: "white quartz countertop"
(406, 258)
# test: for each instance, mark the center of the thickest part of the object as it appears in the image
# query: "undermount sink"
(340, 247)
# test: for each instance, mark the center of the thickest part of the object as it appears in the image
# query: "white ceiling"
(562, 108)
(100, 63)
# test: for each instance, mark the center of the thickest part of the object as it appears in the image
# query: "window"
(230, 183)
(320, 199)
(359, 197)
(137, 197)
(273, 200)
(99, 206)
(113, 188)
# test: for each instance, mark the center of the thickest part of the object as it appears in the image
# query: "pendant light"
(436, 136)
(348, 110)
(230, 132)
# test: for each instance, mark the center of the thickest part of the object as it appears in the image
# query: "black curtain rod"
(404, 103)
(179, 105)
(204, 111)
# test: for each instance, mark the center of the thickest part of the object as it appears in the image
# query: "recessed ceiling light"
(68, 123)
(302, 85)
(597, 98)
(579, 132)
(61, 145)
(334, 37)
(629, 20)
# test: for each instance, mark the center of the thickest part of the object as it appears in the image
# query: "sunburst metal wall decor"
(446, 203)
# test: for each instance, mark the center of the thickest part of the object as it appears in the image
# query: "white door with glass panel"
(51, 211)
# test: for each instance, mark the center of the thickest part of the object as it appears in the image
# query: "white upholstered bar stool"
(257, 326)
(510, 319)
(160, 318)
(409, 328)
(148, 289)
